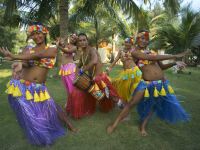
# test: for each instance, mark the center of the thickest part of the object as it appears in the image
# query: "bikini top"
(43, 62)
(126, 55)
(141, 63)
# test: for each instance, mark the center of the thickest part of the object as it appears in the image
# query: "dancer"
(153, 93)
(35, 109)
(67, 69)
(130, 76)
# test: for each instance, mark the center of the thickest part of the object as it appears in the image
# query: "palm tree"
(178, 36)
(43, 10)
(104, 19)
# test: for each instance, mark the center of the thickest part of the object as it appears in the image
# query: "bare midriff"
(67, 58)
(152, 72)
(35, 74)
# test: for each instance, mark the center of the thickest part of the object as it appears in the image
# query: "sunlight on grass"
(5, 73)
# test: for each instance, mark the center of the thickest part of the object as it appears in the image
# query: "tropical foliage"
(171, 28)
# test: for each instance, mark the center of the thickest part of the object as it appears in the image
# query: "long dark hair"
(82, 34)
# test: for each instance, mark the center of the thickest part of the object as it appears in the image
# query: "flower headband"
(130, 40)
(144, 33)
(37, 28)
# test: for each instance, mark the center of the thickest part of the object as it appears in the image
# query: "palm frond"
(196, 41)
(172, 5)
(129, 7)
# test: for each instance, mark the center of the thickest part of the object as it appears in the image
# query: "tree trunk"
(113, 49)
(97, 31)
(63, 11)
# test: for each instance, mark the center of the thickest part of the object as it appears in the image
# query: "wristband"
(80, 71)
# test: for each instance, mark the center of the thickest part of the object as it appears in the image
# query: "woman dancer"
(35, 109)
(130, 76)
(67, 69)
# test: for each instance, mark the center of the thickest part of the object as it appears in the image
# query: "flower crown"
(130, 40)
(144, 33)
(37, 28)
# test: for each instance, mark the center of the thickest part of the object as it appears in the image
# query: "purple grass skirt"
(39, 120)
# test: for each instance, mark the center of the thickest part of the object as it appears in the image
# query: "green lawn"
(92, 135)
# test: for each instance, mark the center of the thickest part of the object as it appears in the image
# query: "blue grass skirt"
(37, 116)
(162, 102)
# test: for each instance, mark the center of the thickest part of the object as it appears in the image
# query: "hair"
(82, 34)
(73, 34)
(35, 23)
(143, 30)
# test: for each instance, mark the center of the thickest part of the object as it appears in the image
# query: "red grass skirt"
(80, 104)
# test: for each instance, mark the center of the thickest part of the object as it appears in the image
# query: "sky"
(195, 4)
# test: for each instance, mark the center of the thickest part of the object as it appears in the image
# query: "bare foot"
(75, 130)
(143, 132)
(110, 129)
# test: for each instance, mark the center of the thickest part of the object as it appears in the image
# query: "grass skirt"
(67, 73)
(161, 101)
(37, 118)
(80, 104)
(126, 82)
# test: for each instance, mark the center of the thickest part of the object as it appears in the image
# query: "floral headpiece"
(37, 28)
(129, 39)
(144, 33)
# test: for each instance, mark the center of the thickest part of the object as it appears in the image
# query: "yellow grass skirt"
(126, 82)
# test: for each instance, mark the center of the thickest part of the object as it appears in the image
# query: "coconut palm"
(178, 36)
(43, 10)
(105, 19)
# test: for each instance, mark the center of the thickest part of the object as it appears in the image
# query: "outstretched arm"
(169, 65)
(143, 56)
(50, 53)
(114, 62)
(166, 66)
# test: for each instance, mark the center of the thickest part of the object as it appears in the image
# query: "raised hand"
(108, 70)
(57, 42)
(60, 42)
(7, 54)
(180, 64)
(17, 70)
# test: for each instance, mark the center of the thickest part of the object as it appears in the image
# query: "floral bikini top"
(43, 62)
(141, 63)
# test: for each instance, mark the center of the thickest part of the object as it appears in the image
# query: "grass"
(92, 134)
